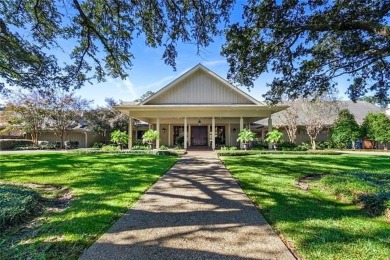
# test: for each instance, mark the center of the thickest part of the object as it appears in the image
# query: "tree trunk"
(353, 145)
(313, 143)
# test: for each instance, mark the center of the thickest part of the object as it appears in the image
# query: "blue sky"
(149, 71)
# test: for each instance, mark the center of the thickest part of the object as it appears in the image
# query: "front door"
(199, 135)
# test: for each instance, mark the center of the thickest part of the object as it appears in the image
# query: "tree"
(26, 111)
(100, 34)
(105, 119)
(64, 112)
(274, 137)
(150, 137)
(311, 43)
(345, 130)
(144, 96)
(288, 119)
(245, 136)
(120, 138)
(376, 126)
(316, 116)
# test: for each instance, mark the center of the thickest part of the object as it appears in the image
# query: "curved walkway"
(196, 211)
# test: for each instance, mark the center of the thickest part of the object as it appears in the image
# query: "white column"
(241, 127)
(228, 136)
(130, 142)
(169, 135)
(185, 133)
(213, 133)
(158, 130)
(86, 139)
(269, 130)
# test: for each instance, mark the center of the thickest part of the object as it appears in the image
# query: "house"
(359, 109)
(199, 108)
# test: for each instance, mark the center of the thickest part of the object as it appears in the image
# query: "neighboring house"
(200, 108)
(360, 109)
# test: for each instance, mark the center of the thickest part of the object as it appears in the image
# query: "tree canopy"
(99, 34)
(309, 44)
(376, 126)
(345, 130)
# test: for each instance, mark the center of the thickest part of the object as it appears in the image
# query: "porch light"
(199, 122)
(234, 130)
(163, 130)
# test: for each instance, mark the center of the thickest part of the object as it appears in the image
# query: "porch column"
(208, 135)
(269, 130)
(213, 133)
(189, 135)
(158, 130)
(228, 136)
(169, 135)
(185, 133)
(130, 141)
(262, 135)
(241, 128)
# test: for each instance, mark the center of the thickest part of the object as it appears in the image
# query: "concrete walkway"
(196, 211)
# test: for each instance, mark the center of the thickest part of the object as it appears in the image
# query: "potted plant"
(119, 138)
(274, 137)
(245, 136)
(150, 137)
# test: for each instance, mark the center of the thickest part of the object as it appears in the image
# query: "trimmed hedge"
(10, 144)
(69, 144)
(156, 152)
(254, 152)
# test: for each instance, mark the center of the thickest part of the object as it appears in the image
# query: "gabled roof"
(242, 96)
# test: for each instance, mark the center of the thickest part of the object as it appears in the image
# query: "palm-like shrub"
(245, 136)
(119, 138)
(274, 137)
(150, 137)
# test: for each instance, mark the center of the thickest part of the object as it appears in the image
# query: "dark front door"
(199, 135)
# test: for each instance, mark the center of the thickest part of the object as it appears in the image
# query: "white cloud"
(213, 63)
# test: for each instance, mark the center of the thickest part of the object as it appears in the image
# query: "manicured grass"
(102, 186)
(316, 223)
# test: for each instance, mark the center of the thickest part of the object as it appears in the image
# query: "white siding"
(200, 88)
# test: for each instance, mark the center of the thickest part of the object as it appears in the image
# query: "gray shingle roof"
(359, 109)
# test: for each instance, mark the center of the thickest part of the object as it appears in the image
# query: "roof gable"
(200, 86)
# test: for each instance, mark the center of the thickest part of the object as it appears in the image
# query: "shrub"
(287, 146)
(163, 147)
(140, 147)
(97, 145)
(259, 145)
(374, 204)
(71, 144)
(110, 148)
(49, 145)
(16, 205)
(228, 148)
(10, 144)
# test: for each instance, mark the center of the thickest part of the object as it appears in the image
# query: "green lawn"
(319, 223)
(103, 187)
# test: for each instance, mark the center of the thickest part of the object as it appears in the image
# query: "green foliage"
(287, 146)
(120, 138)
(163, 147)
(71, 144)
(17, 204)
(376, 126)
(49, 145)
(98, 35)
(309, 46)
(274, 136)
(345, 130)
(150, 136)
(246, 136)
(228, 148)
(140, 147)
(97, 145)
(110, 148)
(103, 187)
(10, 144)
(318, 225)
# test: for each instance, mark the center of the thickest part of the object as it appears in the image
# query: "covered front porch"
(197, 126)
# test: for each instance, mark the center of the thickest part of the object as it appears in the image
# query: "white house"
(200, 107)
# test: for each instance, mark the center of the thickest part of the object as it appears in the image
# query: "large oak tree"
(309, 44)
(99, 34)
